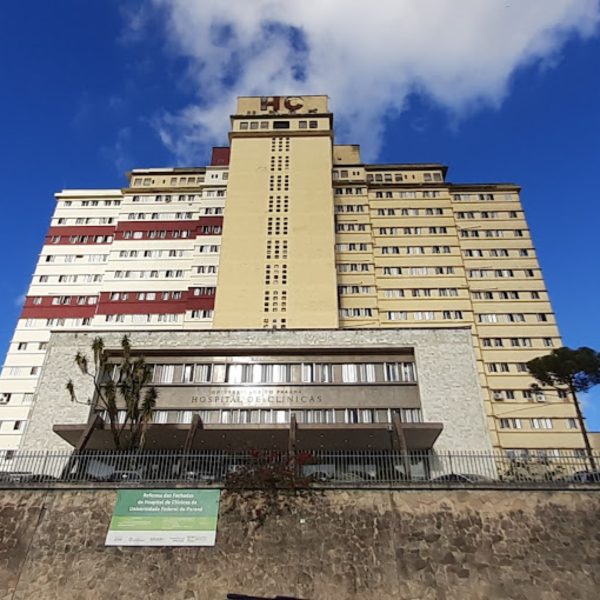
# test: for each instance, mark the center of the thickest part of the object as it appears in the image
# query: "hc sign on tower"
(289, 103)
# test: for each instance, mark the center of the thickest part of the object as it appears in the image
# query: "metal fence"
(260, 469)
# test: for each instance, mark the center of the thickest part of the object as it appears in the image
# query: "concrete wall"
(418, 545)
(446, 371)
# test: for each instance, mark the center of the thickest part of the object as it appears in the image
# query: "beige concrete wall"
(294, 170)
(352, 545)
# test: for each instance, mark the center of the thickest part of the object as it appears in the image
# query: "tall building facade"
(286, 230)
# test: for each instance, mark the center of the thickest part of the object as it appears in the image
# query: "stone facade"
(445, 361)
(351, 545)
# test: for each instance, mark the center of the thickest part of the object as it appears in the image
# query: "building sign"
(275, 103)
(250, 396)
(178, 517)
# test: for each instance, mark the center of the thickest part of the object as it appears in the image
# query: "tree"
(577, 371)
(126, 388)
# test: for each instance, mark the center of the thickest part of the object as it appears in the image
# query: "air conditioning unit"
(498, 396)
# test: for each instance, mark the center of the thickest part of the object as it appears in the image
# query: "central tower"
(277, 267)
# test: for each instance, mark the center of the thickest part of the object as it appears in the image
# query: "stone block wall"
(347, 545)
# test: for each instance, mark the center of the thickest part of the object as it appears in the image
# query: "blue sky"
(93, 88)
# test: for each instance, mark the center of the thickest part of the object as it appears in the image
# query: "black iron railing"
(301, 469)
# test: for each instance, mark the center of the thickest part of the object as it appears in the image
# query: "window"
(424, 316)
(452, 314)
(543, 423)
(394, 372)
(18, 426)
(202, 314)
(397, 315)
(281, 124)
(163, 373)
(487, 318)
(356, 312)
(520, 342)
(510, 424)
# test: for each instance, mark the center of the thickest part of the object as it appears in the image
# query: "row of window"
(153, 274)
(499, 273)
(412, 230)
(173, 253)
(349, 191)
(166, 198)
(345, 174)
(409, 212)
(268, 416)
(187, 180)
(353, 247)
(401, 315)
(441, 292)
(72, 278)
(84, 221)
(398, 177)
(32, 346)
(120, 318)
(483, 197)
(82, 239)
(409, 194)
(538, 423)
(20, 371)
(517, 342)
(412, 271)
(487, 214)
(277, 124)
(153, 198)
(345, 290)
(492, 233)
(497, 252)
(162, 234)
(72, 258)
(513, 317)
(171, 216)
(66, 300)
(284, 373)
(7, 398)
(138, 319)
(149, 296)
(504, 367)
(537, 396)
(416, 250)
(71, 203)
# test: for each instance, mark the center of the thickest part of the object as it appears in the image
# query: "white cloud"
(367, 56)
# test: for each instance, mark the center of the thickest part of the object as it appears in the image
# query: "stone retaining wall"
(349, 545)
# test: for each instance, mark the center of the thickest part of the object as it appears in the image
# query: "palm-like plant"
(126, 388)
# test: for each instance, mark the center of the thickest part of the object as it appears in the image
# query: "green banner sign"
(179, 517)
